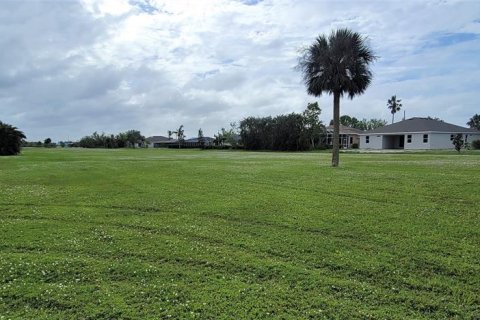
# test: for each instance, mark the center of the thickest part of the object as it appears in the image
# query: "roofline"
(406, 132)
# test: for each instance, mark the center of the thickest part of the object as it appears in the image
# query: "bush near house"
(475, 144)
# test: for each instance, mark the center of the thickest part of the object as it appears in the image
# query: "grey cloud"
(67, 72)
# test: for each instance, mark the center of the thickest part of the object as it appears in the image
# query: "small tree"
(458, 142)
(10, 140)
(313, 124)
(47, 142)
(133, 137)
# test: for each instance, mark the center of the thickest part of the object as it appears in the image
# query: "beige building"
(348, 136)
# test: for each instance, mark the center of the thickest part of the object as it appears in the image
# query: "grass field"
(154, 234)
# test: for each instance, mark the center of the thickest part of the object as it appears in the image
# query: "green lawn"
(153, 234)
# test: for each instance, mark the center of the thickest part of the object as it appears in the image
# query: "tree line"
(128, 139)
(363, 124)
(290, 132)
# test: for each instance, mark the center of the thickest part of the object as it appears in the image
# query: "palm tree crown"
(394, 105)
(10, 139)
(338, 64)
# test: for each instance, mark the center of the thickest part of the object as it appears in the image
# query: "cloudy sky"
(69, 68)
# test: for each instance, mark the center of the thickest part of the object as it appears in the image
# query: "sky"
(72, 67)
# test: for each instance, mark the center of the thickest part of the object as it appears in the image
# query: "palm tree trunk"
(336, 129)
(393, 117)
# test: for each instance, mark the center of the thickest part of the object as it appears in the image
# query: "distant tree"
(474, 122)
(180, 136)
(230, 136)
(347, 121)
(371, 124)
(62, 144)
(170, 134)
(201, 139)
(121, 140)
(337, 65)
(134, 137)
(47, 142)
(289, 133)
(11, 140)
(218, 139)
(458, 142)
(255, 133)
(313, 124)
(394, 105)
(283, 133)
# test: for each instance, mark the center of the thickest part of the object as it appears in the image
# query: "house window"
(451, 137)
(425, 138)
(409, 138)
(367, 139)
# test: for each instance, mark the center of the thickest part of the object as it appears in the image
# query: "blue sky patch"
(250, 2)
(448, 39)
(145, 6)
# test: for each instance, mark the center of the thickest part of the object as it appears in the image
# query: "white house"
(415, 134)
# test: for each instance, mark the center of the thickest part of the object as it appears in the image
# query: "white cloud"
(71, 68)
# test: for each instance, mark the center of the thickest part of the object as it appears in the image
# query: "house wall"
(435, 141)
(417, 141)
(443, 140)
(376, 142)
(473, 137)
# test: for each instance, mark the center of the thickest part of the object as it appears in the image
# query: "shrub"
(355, 146)
(458, 142)
(475, 144)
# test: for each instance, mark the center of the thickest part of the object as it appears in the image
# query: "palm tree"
(394, 105)
(474, 122)
(10, 140)
(338, 64)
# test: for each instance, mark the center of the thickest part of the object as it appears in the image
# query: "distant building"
(348, 136)
(193, 142)
(416, 134)
(165, 142)
(160, 142)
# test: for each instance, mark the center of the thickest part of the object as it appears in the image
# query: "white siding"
(374, 143)
(435, 141)
(473, 137)
(442, 140)
(417, 141)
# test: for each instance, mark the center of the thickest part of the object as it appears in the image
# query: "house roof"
(156, 139)
(346, 130)
(195, 140)
(421, 125)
